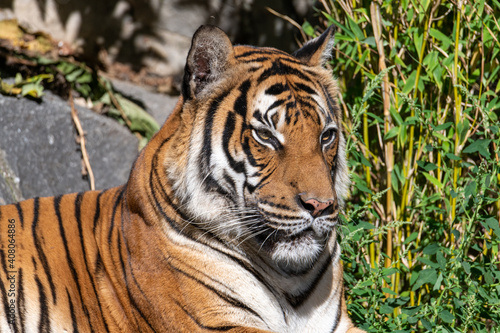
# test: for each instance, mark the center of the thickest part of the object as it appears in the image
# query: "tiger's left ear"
(318, 51)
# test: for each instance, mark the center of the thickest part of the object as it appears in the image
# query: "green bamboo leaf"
(341, 26)
(445, 40)
(355, 29)
(392, 133)
(410, 83)
(418, 39)
(411, 238)
(440, 136)
(433, 180)
(370, 41)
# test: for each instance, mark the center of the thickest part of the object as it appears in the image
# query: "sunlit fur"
(218, 227)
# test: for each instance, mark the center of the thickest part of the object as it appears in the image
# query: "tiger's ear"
(207, 59)
(318, 51)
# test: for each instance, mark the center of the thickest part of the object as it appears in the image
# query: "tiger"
(228, 221)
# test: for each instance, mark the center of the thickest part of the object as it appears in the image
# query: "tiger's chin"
(295, 254)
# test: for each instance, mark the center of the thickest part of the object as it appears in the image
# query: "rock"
(40, 157)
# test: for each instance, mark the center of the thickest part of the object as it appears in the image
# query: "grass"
(420, 95)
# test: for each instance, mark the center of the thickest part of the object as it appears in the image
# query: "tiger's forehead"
(280, 103)
(285, 90)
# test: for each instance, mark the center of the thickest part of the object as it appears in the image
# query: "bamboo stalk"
(388, 146)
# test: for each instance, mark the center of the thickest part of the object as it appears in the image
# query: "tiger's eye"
(263, 134)
(328, 136)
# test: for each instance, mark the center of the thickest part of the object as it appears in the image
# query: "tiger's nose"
(315, 207)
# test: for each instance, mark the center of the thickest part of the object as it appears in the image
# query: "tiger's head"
(260, 153)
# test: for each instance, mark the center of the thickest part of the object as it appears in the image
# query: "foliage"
(420, 83)
(46, 67)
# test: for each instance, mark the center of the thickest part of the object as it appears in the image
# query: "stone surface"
(40, 157)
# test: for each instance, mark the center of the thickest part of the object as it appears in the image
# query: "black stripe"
(332, 106)
(279, 68)
(97, 213)
(305, 88)
(39, 249)
(113, 214)
(204, 327)
(276, 103)
(229, 127)
(44, 324)
(78, 203)
(240, 105)
(20, 213)
(72, 311)
(248, 153)
(210, 184)
(57, 204)
(20, 299)
(228, 299)
(263, 52)
(276, 89)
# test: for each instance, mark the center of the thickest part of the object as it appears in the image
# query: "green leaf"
(427, 324)
(481, 146)
(431, 249)
(442, 126)
(441, 260)
(440, 136)
(389, 291)
(493, 224)
(355, 29)
(411, 238)
(71, 77)
(437, 285)
(386, 309)
(140, 120)
(370, 41)
(433, 180)
(410, 83)
(446, 316)
(32, 89)
(392, 133)
(445, 40)
(453, 157)
(308, 29)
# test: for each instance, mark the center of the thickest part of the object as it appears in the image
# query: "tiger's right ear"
(210, 52)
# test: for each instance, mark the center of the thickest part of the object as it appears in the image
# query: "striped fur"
(227, 222)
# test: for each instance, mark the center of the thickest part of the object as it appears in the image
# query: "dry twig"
(81, 139)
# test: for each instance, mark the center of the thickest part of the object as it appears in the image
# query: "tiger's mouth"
(292, 251)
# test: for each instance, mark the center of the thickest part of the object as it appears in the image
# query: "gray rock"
(41, 157)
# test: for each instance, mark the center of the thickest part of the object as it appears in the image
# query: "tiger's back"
(227, 223)
(50, 259)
